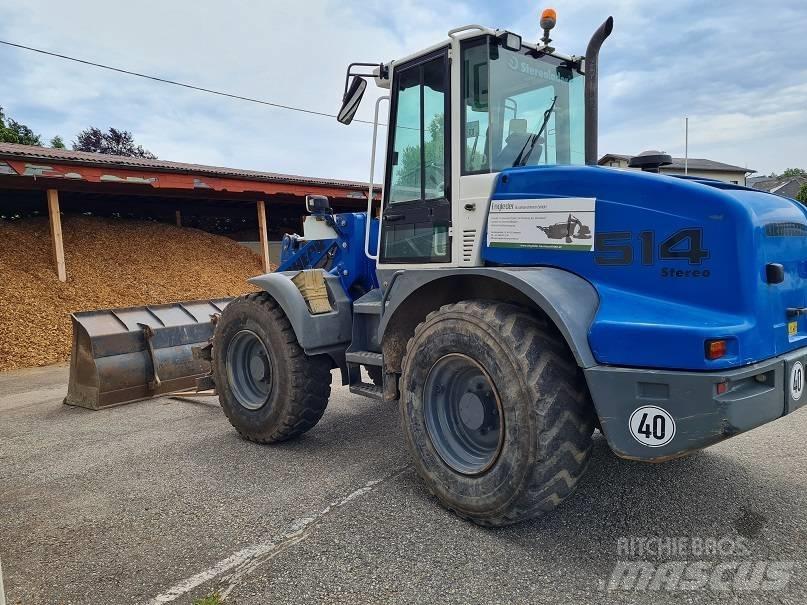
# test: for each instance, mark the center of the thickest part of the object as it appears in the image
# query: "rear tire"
(269, 389)
(496, 412)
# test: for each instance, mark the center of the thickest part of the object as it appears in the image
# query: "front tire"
(269, 389)
(496, 413)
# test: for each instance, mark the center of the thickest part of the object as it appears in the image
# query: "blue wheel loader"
(512, 296)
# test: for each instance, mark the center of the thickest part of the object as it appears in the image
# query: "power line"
(175, 83)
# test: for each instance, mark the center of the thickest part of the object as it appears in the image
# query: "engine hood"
(676, 261)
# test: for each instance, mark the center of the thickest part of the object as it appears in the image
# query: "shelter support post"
(264, 235)
(56, 233)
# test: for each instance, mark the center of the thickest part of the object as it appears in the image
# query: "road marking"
(2, 590)
(246, 560)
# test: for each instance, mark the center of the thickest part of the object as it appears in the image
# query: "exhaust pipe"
(591, 92)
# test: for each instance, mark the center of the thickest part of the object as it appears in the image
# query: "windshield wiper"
(533, 138)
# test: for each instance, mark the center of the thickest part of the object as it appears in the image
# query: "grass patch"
(211, 599)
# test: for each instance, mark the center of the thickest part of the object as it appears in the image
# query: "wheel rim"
(463, 414)
(249, 370)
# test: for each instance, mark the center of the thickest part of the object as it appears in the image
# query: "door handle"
(394, 217)
(796, 311)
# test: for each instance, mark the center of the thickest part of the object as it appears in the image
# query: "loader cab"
(460, 113)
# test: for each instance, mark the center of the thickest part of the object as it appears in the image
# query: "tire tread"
(309, 379)
(561, 397)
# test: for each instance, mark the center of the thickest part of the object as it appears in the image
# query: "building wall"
(737, 178)
(274, 250)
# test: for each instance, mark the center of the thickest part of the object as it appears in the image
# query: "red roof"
(13, 154)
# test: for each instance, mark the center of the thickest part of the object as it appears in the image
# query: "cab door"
(416, 221)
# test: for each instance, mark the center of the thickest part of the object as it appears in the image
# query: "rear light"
(722, 387)
(715, 349)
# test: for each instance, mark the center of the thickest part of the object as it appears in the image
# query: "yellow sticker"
(793, 328)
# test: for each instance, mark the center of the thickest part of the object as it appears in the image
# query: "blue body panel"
(658, 312)
(342, 257)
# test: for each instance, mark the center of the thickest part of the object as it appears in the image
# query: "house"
(697, 167)
(781, 185)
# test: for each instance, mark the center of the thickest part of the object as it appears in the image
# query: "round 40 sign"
(652, 426)
(796, 381)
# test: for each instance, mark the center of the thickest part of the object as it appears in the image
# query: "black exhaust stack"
(592, 59)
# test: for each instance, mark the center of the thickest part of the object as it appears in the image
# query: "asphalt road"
(162, 502)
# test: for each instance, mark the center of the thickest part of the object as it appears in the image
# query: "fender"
(569, 301)
(321, 333)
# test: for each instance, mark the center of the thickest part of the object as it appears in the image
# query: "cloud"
(292, 53)
(740, 78)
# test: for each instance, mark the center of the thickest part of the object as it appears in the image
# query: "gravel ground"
(161, 502)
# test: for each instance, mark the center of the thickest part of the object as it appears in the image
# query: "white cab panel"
(470, 214)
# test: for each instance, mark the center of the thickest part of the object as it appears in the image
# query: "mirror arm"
(367, 75)
(371, 192)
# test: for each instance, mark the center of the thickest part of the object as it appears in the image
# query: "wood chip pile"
(110, 263)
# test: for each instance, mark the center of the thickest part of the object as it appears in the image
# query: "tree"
(16, 132)
(113, 142)
(57, 142)
(409, 175)
(802, 194)
(791, 172)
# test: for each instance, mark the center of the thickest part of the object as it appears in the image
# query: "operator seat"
(517, 139)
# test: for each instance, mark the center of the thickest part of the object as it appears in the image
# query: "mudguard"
(568, 300)
(321, 333)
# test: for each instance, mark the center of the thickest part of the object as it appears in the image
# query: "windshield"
(519, 110)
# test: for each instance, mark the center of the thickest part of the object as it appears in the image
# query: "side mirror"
(317, 204)
(351, 100)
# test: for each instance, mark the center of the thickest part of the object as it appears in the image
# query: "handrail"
(371, 192)
(470, 27)
(388, 290)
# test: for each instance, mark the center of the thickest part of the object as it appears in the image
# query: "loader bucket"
(123, 355)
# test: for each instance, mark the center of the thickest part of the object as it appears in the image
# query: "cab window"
(519, 109)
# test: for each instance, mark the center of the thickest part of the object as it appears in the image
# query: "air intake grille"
(468, 241)
(785, 230)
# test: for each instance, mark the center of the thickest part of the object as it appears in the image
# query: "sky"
(736, 68)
